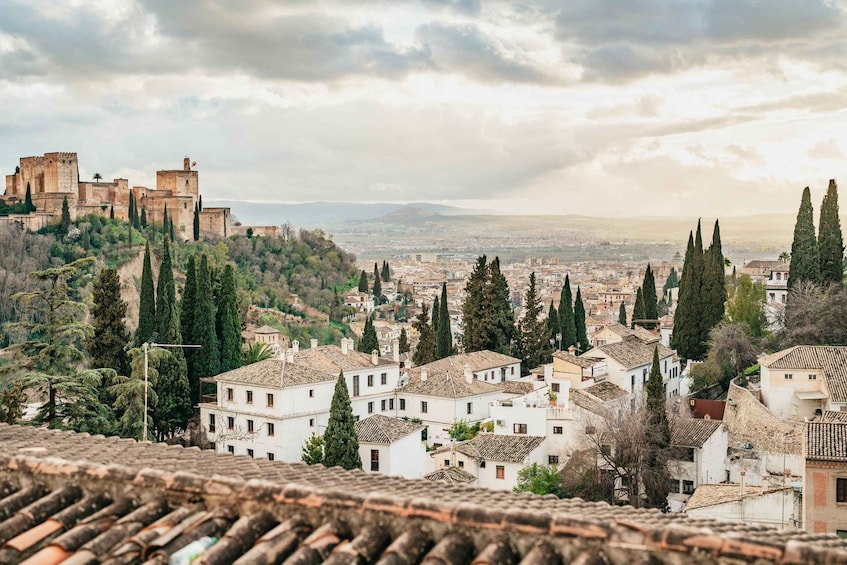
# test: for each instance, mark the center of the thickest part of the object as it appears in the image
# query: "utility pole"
(146, 347)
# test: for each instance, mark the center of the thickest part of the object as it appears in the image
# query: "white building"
(751, 505)
(802, 381)
(701, 445)
(392, 446)
(628, 364)
(494, 460)
(361, 301)
(524, 417)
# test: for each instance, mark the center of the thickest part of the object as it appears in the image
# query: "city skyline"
(601, 109)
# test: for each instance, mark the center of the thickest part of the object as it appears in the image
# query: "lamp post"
(146, 347)
(559, 339)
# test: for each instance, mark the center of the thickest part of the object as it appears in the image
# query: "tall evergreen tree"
(805, 262)
(107, 344)
(436, 314)
(658, 436)
(830, 240)
(363, 281)
(648, 293)
(535, 340)
(147, 303)
(229, 322)
(171, 230)
(476, 310)
(403, 342)
(165, 220)
(567, 323)
(369, 341)
(207, 363)
(671, 282)
(690, 331)
(173, 408)
(622, 314)
(196, 232)
(386, 273)
(131, 211)
(144, 217)
(341, 444)
(426, 351)
(579, 321)
(500, 331)
(112, 212)
(377, 288)
(65, 221)
(188, 305)
(165, 291)
(714, 282)
(552, 322)
(28, 205)
(200, 203)
(443, 336)
(638, 311)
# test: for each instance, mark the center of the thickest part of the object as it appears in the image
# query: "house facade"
(628, 364)
(701, 448)
(392, 446)
(802, 381)
(825, 475)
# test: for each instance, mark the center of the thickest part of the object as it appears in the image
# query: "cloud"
(826, 149)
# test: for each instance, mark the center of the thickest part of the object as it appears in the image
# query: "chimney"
(344, 346)
(290, 355)
(395, 350)
(468, 374)
(295, 346)
(313, 343)
(374, 357)
(423, 375)
(572, 350)
(186, 164)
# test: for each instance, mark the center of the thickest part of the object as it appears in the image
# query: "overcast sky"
(597, 107)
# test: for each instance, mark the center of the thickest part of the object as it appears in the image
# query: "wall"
(61, 173)
(750, 421)
(778, 393)
(215, 221)
(821, 513)
(258, 231)
(766, 509)
(180, 183)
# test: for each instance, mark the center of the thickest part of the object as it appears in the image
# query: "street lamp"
(559, 339)
(146, 347)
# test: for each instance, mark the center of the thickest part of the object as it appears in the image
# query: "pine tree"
(144, 217)
(403, 342)
(622, 314)
(501, 330)
(147, 303)
(341, 444)
(165, 291)
(567, 324)
(369, 341)
(425, 352)
(714, 282)
(207, 361)
(377, 288)
(363, 281)
(830, 240)
(579, 321)
(648, 293)
(443, 336)
(65, 222)
(805, 262)
(552, 321)
(476, 310)
(638, 311)
(28, 205)
(534, 338)
(107, 344)
(229, 322)
(196, 223)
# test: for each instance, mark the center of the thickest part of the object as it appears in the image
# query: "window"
(231, 449)
(446, 462)
(370, 380)
(482, 464)
(673, 485)
(391, 404)
(355, 385)
(552, 459)
(513, 370)
(666, 366)
(788, 376)
(402, 404)
(250, 426)
(424, 406)
(501, 472)
(270, 456)
(687, 487)
(270, 400)
(813, 377)
(212, 423)
(230, 394)
(840, 490)
(311, 422)
(374, 460)
(249, 397)
(557, 430)
(271, 430)
(470, 407)
(632, 384)
(230, 422)
(519, 428)
(554, 387)
(250, 453)
(370, 407)
(311, 393)
(383, 379)
(461, 464)
(382, 405)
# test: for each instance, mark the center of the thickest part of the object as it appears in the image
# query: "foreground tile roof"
(384, 429)
(826, 441)
(82, 499)
(831, 359)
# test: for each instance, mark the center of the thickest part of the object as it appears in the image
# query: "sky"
(593, 107)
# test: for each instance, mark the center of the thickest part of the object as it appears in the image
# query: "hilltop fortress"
(55, 176)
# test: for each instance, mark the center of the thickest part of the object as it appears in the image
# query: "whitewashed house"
(700, 448)
(363, 302)
(628, 364)
(392, 446)
(763, 505)
(803, 381)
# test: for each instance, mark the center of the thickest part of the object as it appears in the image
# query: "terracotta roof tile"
(450, 475)
(275, 373)
(693, 432)
(826, 441)
(448, 385)
(496, 447)
(831, 359)
(633, 352)
(384, 430)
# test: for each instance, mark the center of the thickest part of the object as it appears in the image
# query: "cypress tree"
(207, 361)
(436, 314)
(690, 330)
(147, 304)
(144, 217)
(131, 211)
(171, 229)
(658, 436)
(108, 341)
(28, 205)
(426, 351)
(552, 322)
(112, 212)
(444, 337)
(65, 222)
(196, 223)
(229, 322)
(341, 444)
(369, 341)
(830, 240)
(165, 291)
(386, 274)
(476, 310)
(534, 338)
(500, 330)
(651, 302)
(622, 314)
(567, 324)
(805, 263)
(638, 311)
(579, 321)
(200, 203)
(186, 319)
(403, 342)
(377, 288)
(714, 282)
(165, 220)
(363, 281)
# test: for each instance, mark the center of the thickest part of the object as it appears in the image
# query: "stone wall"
(258, 231)
(215, 221)
(61, 173)
(750, 421)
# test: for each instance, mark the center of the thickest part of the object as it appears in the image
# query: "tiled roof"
(331, 359)
(517, 387)
(826, 441)
(477, 361)
(832, 359)
(693, 432)
(712, 494)
(633, 352)
(384, 430)
(448, 385)
(644, 335)
(606, 391)
(496, 447)
(275, 373)
(266, 329)
(833, 416)
(580, 361)
(450, 475)
(83, 499)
